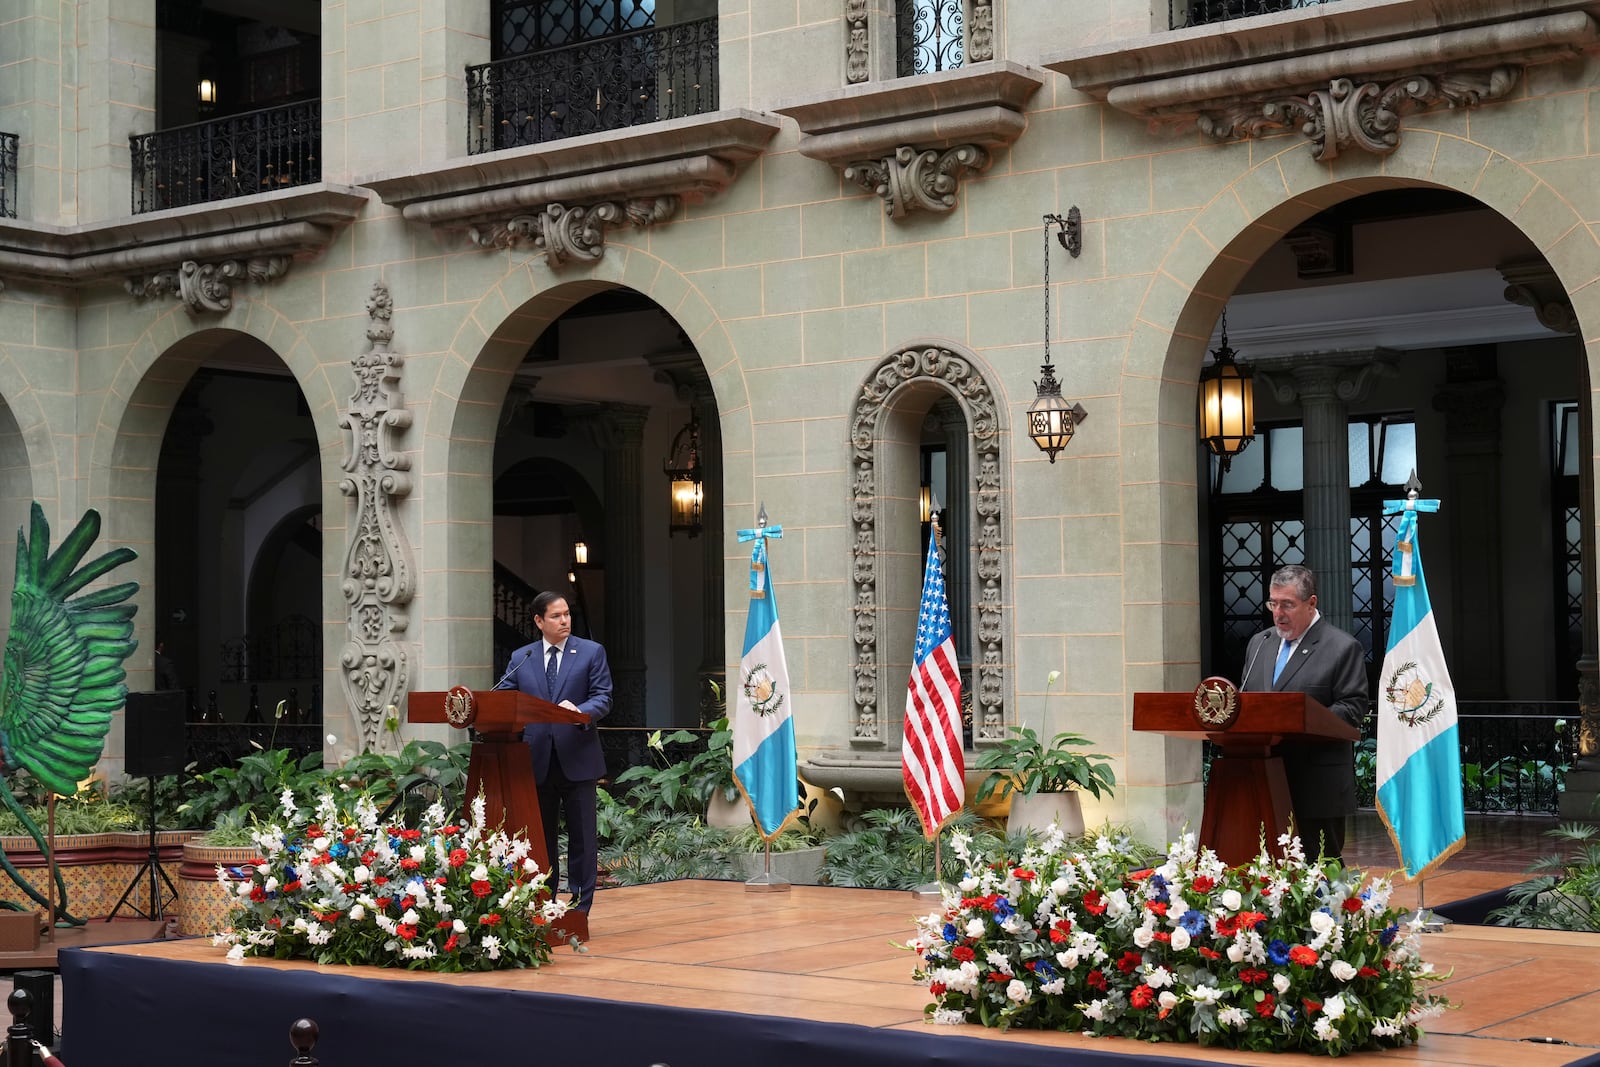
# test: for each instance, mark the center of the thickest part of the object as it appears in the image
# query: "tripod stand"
(152, 865)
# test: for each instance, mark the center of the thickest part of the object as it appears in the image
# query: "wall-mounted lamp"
(684, 472)
(1227, 402)
(1051, 420)
(580, 553)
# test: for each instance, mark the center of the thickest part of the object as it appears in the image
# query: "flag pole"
(934, 890)
(760, 589)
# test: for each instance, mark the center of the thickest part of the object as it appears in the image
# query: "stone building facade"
(427, 315)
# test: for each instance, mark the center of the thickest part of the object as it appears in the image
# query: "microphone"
(515, 663)
(1244, 679)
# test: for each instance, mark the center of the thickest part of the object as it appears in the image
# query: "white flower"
(357, 913)
(945, 1016)
(1095, 1009)
(1157, 977)
(1017, 992)
(1180, 939)
(1168, 1000)
(1324, 1029)
(1235, 1017)
(1143, 936)
(1055, 987)
(321, 844)
(491, 946)
(419, 952)
(1236, 953)
(1322, 922)
(998, 960)
(974, 928)
(286, 802)
(1333, 1007)
(360, 874)
(1280, 982)
(457, 926)
(317, 934)
(1231, 899)
(530, 866)
(1342, 970)
(419, 852)
(236, 952)
(1204, 994)
(411, 917)
(244, 889)
(480, 873)
(223, 877)
(1385, 1028)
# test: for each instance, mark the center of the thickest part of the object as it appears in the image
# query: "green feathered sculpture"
(64, 675)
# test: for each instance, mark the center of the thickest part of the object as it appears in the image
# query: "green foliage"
(1564, 892)
(749, 839)
(232, 830)
(658, 845)
(423, 772)
(1023, 763)
(256, 782)
(887, 850)
(687, 785)
(89, 811)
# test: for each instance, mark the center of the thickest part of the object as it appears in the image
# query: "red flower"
(1208, 953)
(1142, 996)
(481, 889)
(274, 921)
(407, 931)
(1156, 907)
(1367, 972)
(962, 953)
(1023, 874)
(1268, 1004)
(1253, 976)
(380, 880)
(1057, 934)
(936, 989)
(257, 894)
(292, 887)
(1129, 961)
(1096, 979)
(1351, 905)
(368, 856)
(539, 920)
(350, 833)
(491, 919)
(1094, 902)
(1139, 876)
(1226, 927)
(1202, 884)
(451, 942)
(383, 903)
(407, 864)
(442, 924)
(1161, 935)
(999, 976)
(313, 829)
(1250, 919)
(1312, 1006)
(1304, 955)
(458, 856)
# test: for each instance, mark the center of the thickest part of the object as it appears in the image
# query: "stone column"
(1581, 791)
(1471, 399)
(1325, 384)
(620, 429)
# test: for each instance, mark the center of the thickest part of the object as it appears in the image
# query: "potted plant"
(1043, 779)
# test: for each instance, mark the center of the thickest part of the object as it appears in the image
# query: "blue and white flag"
(764, 763)
(1419, 747)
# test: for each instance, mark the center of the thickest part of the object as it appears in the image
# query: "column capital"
(619, 427)
(1310, 377)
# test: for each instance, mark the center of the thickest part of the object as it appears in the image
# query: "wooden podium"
(501, 767)
(1247, 792)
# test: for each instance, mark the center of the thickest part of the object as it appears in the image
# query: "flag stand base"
(929, 891)
(767, 882)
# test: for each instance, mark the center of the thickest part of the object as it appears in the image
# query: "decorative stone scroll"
(378, 566)
(1359, 115)
(917, 179)
(980, 31)
(972, 393)
(1532, 283)
(207, 286)
(565, 233)
(857, 63)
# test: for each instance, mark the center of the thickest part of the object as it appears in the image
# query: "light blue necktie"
(1283, 657)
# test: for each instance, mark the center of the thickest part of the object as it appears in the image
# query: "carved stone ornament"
(917, 179)
(977, 402)
(1532, 283)
(207, 286)
(857, 37)
(1359, 115)
(565, 233)
(980, 31)
(378, 566)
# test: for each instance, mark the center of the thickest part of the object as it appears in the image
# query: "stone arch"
(462, 420)
(1201, 270)
(920, 369)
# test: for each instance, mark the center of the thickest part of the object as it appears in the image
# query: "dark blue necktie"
(550, 672)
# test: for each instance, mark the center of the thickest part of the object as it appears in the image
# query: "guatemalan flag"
(1419, 750)
(763, 728)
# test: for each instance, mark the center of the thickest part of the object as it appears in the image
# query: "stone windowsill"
(980, 104)
(288, 222)
(1179, 73)
(691, 158)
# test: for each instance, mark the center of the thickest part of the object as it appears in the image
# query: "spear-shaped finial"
(1413, 486)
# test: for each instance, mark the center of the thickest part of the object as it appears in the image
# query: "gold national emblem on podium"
(460, 707)
(1216, 703)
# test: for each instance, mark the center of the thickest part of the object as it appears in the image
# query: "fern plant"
(1564, 892)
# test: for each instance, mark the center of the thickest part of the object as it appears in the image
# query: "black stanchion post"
(303, 1036)
(19, 1035)
(41, 987)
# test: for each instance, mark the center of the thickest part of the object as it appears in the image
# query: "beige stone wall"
(791, 285)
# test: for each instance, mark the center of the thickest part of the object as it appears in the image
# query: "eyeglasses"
(1286, 605)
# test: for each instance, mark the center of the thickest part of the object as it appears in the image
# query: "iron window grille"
(928, 36)
(203, 162)
(1186, 13)
(8, 175)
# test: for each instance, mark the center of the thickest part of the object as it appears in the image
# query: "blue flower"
(1003, 910)
(1386, 938)
(338, 849)
(1158, 887)
(1278, 952)
(1043, 969)
(1192, 921)
(950, 932)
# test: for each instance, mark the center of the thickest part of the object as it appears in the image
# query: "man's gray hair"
(1300, 578)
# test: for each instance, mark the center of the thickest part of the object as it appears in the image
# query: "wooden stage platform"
(827, 955)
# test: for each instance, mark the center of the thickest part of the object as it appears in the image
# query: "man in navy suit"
(1304, 653)
(567, 761)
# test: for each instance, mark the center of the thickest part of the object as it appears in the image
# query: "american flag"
(930, 754)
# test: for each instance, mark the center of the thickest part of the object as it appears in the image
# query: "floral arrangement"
(335, 887)
(1275, 955)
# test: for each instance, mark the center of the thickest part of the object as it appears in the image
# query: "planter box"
(800, 867)
(96, 868)
(203, 902)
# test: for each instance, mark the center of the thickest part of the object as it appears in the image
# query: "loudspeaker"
(154, 735)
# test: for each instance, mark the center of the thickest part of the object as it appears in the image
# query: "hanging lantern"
(686, 477)
(1227, 402)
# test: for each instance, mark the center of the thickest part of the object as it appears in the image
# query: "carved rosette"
(565, 233)
(977, 402)
(1359, 115)
(377, 580)
(207, 286)
(917, 179)
(980, 31)
(856, 62)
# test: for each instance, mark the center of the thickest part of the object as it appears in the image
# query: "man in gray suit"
(1304, 653)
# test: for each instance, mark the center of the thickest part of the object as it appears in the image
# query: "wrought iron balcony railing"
(8, 175)
(628, 79)
(1185, 13)
(256, 152)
